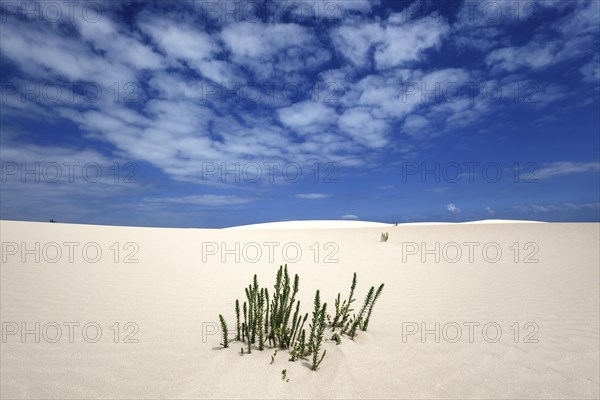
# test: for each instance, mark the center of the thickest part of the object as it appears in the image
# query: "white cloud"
(201, 200)
(591, 70)
(363, 127)
(557, 208)
(307, 116)
(43, 52)
(438, 190)
(407, 42)
(323, 10)
(452, 208)
(184, 43)
(482, 24)
(536, 54)
(266, 48)
(584, 20)
(105, 35)
(355, 41)
(70, 183)
(482, 38)
(395, 42)
(349, 216)
(401, 92)
(489, 210)
(575, 35)
(416, 125)
(560, 168)
(313, 196)
(176, 129)
(352, 5)
(179, 40)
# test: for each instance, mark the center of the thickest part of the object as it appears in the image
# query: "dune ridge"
(328, 224)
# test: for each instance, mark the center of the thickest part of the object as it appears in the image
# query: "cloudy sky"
(213, 114)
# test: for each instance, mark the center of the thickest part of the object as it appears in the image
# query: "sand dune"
(315, 224)
(537, 284)
(503, 221)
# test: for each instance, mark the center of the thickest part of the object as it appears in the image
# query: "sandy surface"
(314, 224)
(180, 284)
(338, 224)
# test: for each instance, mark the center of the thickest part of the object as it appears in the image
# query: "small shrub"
(366, 324)
(385, 236)
(337, 338)
(225, 332)
(237, 320)
(247, 336)
(299, 350)
(358, 319)
(277, 322)
(342, 311)
(317, 337)
(244, 330)
(281, 332)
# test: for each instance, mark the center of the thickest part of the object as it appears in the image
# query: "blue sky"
(214, 114)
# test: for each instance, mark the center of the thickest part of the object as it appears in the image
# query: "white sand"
(503, 221)
(171, 292)
(319, 224)
(313, 224)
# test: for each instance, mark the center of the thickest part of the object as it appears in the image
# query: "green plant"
(317, 338)
(259, 319)
(337, 338)
(299, 327)
(267, 311)
(317, 361)
(299, 350)
(247, 336)
(342, 311)
(255, 303)
(225, 331)
(385, 236)
(252, 294)
(273, 356)
(52, 220)
(358, 319)
(237, 320)
(315, 321)
(366, 324)
(244, 330)
(281, 307)
(295, 322)
(277, 322)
